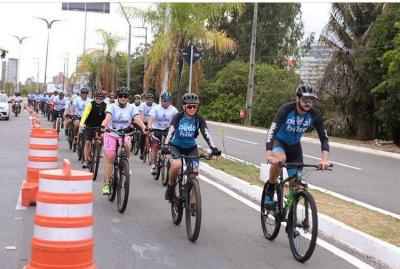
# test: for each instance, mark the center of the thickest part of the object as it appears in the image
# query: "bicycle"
(120, 176)
(70, 134)
(187, 184)
(298, 202)
(161, 161)
(59, 120)
(146, 149)
(80, 146)
(136, 138)
(94, 156)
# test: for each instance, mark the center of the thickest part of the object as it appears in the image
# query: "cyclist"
(93, 116)
(118, 116)
(285, 132)
(37, 99)
(111, 98)
(16, 98)
(159, 121)
(144, 110)
(137, 100)
(181, 138)
(77, 110)
(59, 103)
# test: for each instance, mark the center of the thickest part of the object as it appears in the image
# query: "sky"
(66, 36)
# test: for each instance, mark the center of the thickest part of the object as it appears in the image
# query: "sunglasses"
(123, 96)
(307, 100)
(192, 106)
(165, 100)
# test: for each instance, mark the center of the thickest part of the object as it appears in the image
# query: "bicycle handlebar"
(121, 132)
(206, 156)
(301, 165)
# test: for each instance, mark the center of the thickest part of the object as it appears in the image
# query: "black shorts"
(157, 136)
(89, 133)
(192, 152)
(294, 153)
(57, 114)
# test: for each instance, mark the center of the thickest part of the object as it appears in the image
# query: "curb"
(315, 141)
(371, 246)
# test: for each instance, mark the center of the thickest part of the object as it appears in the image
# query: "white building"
(312, 66)
(11, 70)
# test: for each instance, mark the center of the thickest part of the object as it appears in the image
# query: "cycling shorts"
(57, 114)
(294, 154)
(110, 143)
(176, 151)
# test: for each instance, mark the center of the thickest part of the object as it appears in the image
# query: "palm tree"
(90, 64)
(347, 32)
(177, 24)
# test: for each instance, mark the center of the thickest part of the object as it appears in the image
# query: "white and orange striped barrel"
(63, 228)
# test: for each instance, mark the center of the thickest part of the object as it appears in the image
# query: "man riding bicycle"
(181, 139)
(92, 117)
(118, 116)
(285, 132)
(77, 110)
(59, 107)
(159, 120)
(144, 110)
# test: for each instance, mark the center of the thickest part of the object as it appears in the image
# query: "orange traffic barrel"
(63, 225)
(43, 151)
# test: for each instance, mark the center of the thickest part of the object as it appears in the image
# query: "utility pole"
(20, 39)
(250, 86)
(36, 61)
(128, 75)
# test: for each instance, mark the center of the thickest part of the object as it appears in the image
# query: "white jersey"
(80, 105)
(146, 109)
(121, 116)
(162, 117)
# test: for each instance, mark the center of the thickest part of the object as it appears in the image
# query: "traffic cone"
(63, 228)
(43, 150)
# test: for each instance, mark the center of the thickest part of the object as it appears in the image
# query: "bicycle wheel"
(113, 184)
(164, 172)
(58, 125)
(96, 159)
(270, 219)
(123, 185)
(303, 226)
(70, 139)
(137, 143)
(193, 210)
(80, 147)
(159, 163)
(176, 204)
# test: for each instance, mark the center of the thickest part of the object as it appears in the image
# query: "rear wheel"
(270, 219)
(303, 226)
(123, 186)
(176, 205)
(193, 210)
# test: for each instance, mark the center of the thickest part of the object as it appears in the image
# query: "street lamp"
(37, 61)
(20, 39)
(49, 24)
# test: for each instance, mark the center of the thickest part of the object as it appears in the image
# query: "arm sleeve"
(85, 114)
(276, 124)
(171, 130)
(205, 132)
(322, 133)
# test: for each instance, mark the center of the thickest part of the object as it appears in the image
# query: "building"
(11, 70)
(312, 66)
(3, 71)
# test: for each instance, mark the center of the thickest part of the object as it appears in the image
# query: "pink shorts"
(110, 143)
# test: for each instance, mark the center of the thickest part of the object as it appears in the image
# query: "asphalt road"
(144, 236)
(376, 180)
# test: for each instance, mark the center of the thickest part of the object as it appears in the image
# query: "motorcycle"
(17, 108)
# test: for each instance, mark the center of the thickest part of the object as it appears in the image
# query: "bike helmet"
(55, 92)
(149, 95)
(61, 94)
(85, 90)
(166, 96)
(305, 90)
(99, 94)
(138, 96)
(123, 90)
(190, 98)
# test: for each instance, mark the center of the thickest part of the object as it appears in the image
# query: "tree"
(90, 64)
(177, 24)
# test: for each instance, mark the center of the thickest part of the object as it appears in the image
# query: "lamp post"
(20, 39)
(128, 75)
(49, 24)
(36, 61)
(145, 49)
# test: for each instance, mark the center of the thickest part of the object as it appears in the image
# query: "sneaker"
(85, 165)
(106, 189)
(153, 170)
(169, 193)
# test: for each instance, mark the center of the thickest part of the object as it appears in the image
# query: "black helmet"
(55, 92)
(149, 95)
(190, 98)
(123, 90)
(61, 94)
(85, 90)
(305, 90)
(99, 94)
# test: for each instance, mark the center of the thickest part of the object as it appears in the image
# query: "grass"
(370, 222)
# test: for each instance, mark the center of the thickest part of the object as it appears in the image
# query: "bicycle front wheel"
(123, 185)
(113, 184)
(136, 144)
(193, 210)
(164, 172)
(159, 163)
(303, 226)
(96, 159)
(270, 217)
(176, 204)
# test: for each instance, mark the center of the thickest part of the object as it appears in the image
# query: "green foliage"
(223, 98)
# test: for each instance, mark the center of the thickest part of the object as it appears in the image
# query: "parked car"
(5, 108)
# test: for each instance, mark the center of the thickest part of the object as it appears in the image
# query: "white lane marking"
(338, 252)
(242, 140)
(341, 164)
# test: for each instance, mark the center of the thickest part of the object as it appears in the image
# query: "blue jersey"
(288, 126)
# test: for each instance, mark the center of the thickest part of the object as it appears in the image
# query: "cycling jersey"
(162, 116)
(183, 131)
(59, 104)
(288, 126)
(146, 109)
(80, 105)
(36, 98)
(16, 99)
(94, 114)
(121, 116)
